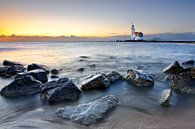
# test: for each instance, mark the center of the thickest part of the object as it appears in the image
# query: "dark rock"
(22, 85)
(54, 76)
(183, 83)
(98, 81)
(193, 73)
(139, 78)
(10, 63)
(80, 70)
(9, 71)
(89, 113)
(114, 76)
(55, 71)
(190, 62)
(173, 68)
(60, 90)
(168, 98)
(92, 66)
(39, 74)
(37, 66)
(84, 57)
(140, 67)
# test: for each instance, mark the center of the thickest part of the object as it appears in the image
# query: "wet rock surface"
(114, 76)
(139, 78)
(98, 81)
(37, 66)
(22, 85)
(89, 113)
(168, 98)
(183, 83)
(61, 90)
(10, 69)
(189, 62)
(174, 68)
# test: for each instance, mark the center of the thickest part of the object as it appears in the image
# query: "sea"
(139, 108)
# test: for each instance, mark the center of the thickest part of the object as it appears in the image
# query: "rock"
(183, 83)
(60, 90)
(139, 78)
(114, 76)
(81, 70)
(173, 68)
(84, 57)
(168, 98)
(37, 66)
(22, 85)
(9, 71)
(10, 63)
(92, 66)
(39, 74)
(54, 76)
(54, 71)
(190, 62)
(98, 81)
(89, 113)
(140, 67)
(193, 73)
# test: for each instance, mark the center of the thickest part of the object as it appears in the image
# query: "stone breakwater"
(33, 79)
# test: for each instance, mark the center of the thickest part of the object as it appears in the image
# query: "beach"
(137, 109)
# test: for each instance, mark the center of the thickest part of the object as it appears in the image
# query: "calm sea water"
(139, 108)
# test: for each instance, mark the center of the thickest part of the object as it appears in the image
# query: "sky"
(95, 17)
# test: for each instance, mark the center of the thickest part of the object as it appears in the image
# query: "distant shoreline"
(153, 41)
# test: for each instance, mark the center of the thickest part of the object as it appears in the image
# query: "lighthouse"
(136, 35)
(132, 32)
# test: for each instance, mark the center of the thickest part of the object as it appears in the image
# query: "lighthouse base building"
(136, 35)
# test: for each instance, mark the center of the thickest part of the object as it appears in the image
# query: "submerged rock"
(81, 70)
(92, 66)
(37, 66)
(54, 76)
(22, 85)
(168, 98)
(89, 113)
(84, 57)
(139, 78)
(54, 71)
(173, 68)
(189, 62)
(60, 90)
(98, 81)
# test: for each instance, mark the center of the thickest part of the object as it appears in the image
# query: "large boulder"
(22, 85)
(174, 68)
(9, 71)
(139, 78)
(89, 113)
(60, 90)
(168, 97)
(98, 81)
(37, 66)
(183, 83)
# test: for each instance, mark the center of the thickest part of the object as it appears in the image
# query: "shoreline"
(152, 41)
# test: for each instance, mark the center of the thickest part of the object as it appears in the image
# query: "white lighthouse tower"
(132, 31)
